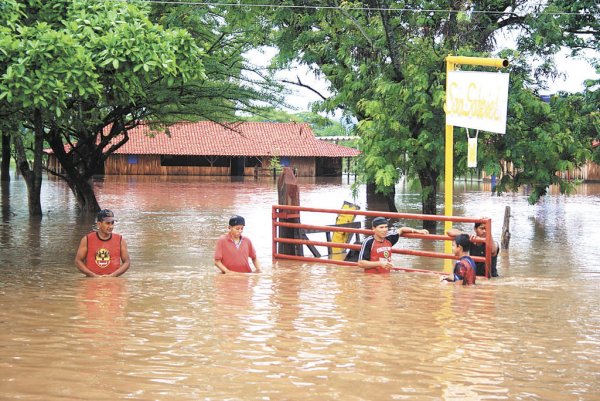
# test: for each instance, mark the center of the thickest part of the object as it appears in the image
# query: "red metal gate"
(290, 216)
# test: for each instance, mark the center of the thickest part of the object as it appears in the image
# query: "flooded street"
(172, 328)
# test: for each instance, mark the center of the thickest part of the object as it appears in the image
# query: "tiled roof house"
(233, 149)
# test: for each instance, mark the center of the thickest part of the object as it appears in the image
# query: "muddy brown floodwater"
(173, 329)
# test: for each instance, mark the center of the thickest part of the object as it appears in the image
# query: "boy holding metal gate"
(376, 251)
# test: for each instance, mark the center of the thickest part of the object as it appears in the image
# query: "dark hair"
(479, 224)
(237, 221)
(377, 221)
(105, 215)
(463, 241)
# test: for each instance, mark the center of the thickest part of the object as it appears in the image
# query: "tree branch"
(303, 85)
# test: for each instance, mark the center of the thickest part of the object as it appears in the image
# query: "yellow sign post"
(451, 63)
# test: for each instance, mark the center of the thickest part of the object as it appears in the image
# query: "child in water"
(465, 268)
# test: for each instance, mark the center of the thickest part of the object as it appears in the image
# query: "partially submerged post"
(505, 228)
(289, 194)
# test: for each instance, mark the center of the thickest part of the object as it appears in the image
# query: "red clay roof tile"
(233, 139)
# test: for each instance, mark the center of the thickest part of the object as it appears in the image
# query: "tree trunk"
(6, 213)
(84, 194)
(391, 201)
(32, 175)
(428, 197)
(378, 201)
(77, 174)
(5, 168)
(35, 204)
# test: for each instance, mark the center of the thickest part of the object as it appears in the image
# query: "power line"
(315, 7)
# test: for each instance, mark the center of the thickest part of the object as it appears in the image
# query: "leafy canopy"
(385, 64)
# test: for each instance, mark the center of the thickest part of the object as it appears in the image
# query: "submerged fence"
(290, 235)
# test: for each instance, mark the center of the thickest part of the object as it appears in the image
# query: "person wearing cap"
(478, 248)
(233, 249)
(102, 252)
(376, 251)
(464, 268)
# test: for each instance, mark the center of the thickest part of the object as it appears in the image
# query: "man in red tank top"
(102, 252)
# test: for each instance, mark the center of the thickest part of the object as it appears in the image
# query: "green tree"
(592, 115)
(557, 136)
(542, 139)
(571, 24)
(274, 115)
(9, 13)
(321, 126)
(384, 61)
(324, 126)
(81, 74)
(233, 84)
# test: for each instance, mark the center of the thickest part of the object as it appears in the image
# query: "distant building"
(228, 149)
(338, 139)
(590, 172)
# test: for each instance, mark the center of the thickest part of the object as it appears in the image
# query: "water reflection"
(5, 185)
(173, 329)
(103, 305)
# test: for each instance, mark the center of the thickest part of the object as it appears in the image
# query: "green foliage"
(541, 139)
(574, 24)
(101, 57)
(321, 126)
(275, 163)
(233, 85)
(274, 115)
(10, 11)
(387, 68)
(90, 71)
(71, 69)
